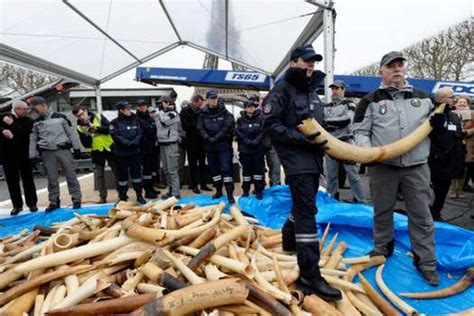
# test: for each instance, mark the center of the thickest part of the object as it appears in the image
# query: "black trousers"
(220, 163)
(300, 230)
(13, 172)
(126, 164)
(440, 188)
(253, 165)
(196, 173)
(148, 163)
(469, 173)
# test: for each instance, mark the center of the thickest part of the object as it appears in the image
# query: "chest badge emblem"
(416, 102)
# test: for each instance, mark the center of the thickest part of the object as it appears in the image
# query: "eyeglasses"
(23, 109)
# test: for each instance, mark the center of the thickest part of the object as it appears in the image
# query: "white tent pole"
(98, 97)
(328, 25)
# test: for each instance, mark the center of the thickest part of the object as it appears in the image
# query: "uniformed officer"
(249, 131)
(338, 118)
(292, 100)
(94, 134)
(53, 136)
(127, 134)
(393, 111)
(447, 150)
(216, 126)
(147, 144)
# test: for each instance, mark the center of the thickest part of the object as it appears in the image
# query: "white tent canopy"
(95, 41)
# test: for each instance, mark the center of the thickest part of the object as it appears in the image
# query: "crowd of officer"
(205, 129)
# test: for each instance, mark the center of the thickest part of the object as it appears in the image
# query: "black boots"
(76, 205)
(150, 193)
(319, 287)
(386, 251)
(53, 206)
(218, 186)
(140, 198)
(16, 211)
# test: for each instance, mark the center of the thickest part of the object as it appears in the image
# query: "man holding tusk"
(382, 117)
(292, 100)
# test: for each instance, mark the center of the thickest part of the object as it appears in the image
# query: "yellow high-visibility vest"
(100, 142)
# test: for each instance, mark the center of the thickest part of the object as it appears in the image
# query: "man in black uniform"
(147, 145)
(249, 131)
(15, 129)
(216, 126)
(127, 134)
(194, 144)
(292, 100)
(446, 151)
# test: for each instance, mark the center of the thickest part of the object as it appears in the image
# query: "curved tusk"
(404, 307)
(345, 151)
(456, 288)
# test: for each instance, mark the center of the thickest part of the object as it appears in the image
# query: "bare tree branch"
(21, 79)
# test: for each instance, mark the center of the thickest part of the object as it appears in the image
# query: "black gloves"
(311, 140)
(77, 154)
(171, 115)
(438, 120)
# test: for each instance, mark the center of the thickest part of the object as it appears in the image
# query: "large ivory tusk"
(187, 272)
(65, 241)
(211, 247)
(318, 307)
(345, 151)
(24, 287)
(82, 252)
(407, 309)
(119, 305)
(270, 288)
(197, 297)
(229, 264)
(454, 289)
(376, 298)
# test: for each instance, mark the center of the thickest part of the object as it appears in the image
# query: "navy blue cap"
(212, 94)
(251, 101)
(306, 52)
(120, 105)
(142, 102)
(37, 101)
(338, 83)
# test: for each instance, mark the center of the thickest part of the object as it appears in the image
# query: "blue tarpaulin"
(353, 222)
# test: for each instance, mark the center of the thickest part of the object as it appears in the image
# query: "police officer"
(216, 126)
(170, 134)
(292, 100)
(94, 134)
(271, 156)
(447, 150)
(249, 131)
(338, 117)
(194, 144)
(127, 134)
(394, 110)
(53, 137)
(147, 144)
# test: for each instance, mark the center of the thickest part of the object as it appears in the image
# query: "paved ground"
(457, 211)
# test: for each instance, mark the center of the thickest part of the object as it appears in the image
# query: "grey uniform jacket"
(169, 128)
(52, 131)
(338, 118)
(389, 114)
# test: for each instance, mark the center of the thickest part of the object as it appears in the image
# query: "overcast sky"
(365, 30)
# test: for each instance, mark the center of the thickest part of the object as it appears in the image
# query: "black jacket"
(148, 126)
(127, 134)
(447, 150)
(292, 100)
(15, 149)
(216, 127)
(189, 120)
(249, 131)
(98, 157)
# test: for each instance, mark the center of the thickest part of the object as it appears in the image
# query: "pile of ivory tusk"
(164, 259)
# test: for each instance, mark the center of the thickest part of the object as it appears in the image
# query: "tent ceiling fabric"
(94, 41)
